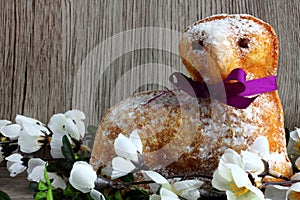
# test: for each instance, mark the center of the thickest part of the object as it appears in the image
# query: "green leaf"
(117, 195)
(61, 167)
(92, 130)
(58, 194)
(40, 195)
(4, 196)
(70, 190)
(67, 149)
(46, 176)
(128, 178)
(33, 186)
(49, 194)
(42, 186)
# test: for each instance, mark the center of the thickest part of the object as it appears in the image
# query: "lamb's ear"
(261, 55)
(225, 42)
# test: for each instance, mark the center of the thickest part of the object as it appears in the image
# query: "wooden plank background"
(52, 57)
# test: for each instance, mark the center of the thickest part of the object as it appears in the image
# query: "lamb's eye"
(244, 43)
(197, 45)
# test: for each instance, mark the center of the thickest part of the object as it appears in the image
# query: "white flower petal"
(154, 197)
(125, 148)
(252, 163)
(20, 119)
(231, 156)
(81, 128)
(225, 171)
(57, 124)
(34, 162)
(296, 176)
(56, 144)
(82, 176)
(35, 130)
(72, 130)
(12, 131)
(15, 158)
(297, 162)
(231, 196)
(136, 140)
(168, 195)
(276, 192)
(261, 147)
(255, 193)
(96, 195)
(293, 143)
(187, 184)
(239, 176)
(295, 135)
(37, 174)
(75, 114)
(4, 122)
(58, 182)
(29, 143)
(121, 167)
(219, 182)
(36, 168)
(15, 164)
(191, 194)
(156, 177)
(295, 187)
(15, 169)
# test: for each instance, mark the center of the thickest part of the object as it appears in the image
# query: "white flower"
(293, 147)
(231, 177)
(261, 147)
(56, 144)
(129, 151)
(297, 163)
(129, 147)
(20, 119)
(96, 195)
(121, 167)
(82, 176)
(77, 117)
(276, 192)
(294, 192)
(15, 164)
(164, 194)
(4, 122)
(70, 124)
(234, 180)
(10, 130)
(36, 167)
(252, 163)
(188, 189)
(57, 124)
(32, 137)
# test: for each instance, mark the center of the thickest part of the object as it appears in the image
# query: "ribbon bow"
(237, 93)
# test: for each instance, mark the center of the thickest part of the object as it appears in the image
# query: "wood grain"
(52, 58)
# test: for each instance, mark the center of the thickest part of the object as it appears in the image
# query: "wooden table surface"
(51, 62)
(17, 187)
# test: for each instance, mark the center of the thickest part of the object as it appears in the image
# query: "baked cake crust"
(184, 135)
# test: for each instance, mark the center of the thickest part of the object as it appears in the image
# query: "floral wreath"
(67, 174)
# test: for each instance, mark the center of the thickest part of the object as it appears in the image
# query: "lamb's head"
(211, 48)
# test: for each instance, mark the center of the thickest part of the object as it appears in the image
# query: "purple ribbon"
(236, 92)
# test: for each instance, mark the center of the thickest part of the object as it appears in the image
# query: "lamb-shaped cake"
(186, 135)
